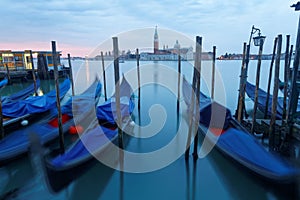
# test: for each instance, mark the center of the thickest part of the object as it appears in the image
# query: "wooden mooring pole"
(286, 78)
(290, 58)
(178, 81)
(71, 74)
(198, 82)
(194, 106)
(104, 76)
(33, 73)
(270, 78)
(8, 75)
(117, 90)
(243, 79)
(213, 73)
(139, 78)
(257, 86)
(60, 129)
(272, 133)
(247, 59)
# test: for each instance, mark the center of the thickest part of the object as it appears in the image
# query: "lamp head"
(259, 40)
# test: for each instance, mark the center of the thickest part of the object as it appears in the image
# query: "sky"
(79, 27)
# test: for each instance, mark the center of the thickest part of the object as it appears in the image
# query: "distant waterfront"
(174, 57)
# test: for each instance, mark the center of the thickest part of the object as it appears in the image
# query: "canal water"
(157, 126)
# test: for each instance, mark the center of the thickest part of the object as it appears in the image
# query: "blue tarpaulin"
(93, 139)
(18, 142)
(34, 104)
(89, 143)
(21, 94)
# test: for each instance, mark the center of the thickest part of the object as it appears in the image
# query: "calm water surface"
(212, 177)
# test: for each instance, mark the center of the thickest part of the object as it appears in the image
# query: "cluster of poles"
(290, 91)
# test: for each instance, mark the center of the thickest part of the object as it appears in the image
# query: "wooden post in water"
(139, 78)
(270, 78)
(60, 129)
(33, 73)
(213, 73)
(104, 76)
(275, 95)
(286, 78)
(257, 86)
(290, 58)
(198, 82)
(178, 81)
(243, 78)
(7, 74)
(289, 77)
(71, 74)
(193, 108)
(247, 59)
(117, 90)
(289, 70)
(1, 120)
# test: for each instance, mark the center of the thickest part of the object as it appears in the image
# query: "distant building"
(167, 53)
(20, 60)
(156, 42)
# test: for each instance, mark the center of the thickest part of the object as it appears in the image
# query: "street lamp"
(258, 40)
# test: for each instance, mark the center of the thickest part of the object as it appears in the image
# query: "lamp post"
(258, 41)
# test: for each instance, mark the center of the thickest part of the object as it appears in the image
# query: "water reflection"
(121, 160)
(14, 176)
(187, 168)
(92, 184)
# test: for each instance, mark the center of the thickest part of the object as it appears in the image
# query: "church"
(167, 53)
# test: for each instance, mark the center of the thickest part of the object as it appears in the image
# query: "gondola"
(233, 141)
(262, 99)
(22, 94)
(17, 143)
(30, 108)
(97, 140)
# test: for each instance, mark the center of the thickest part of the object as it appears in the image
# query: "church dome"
(177, 45)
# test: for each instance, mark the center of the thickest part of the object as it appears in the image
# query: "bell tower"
(156, 44)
